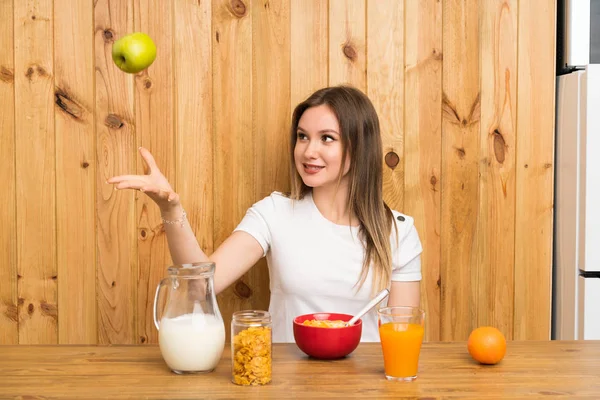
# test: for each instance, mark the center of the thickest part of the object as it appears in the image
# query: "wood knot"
(113, 121)
(217, 36)
(439, 283)
(41, 71)
(349, 52)
(433, 181)
(242, 290)
(143, 339)
(238, 8)
(6, 75)
(49, 309)
(392, 159)
(143, 233)
(29, 73)
(30, 308)
(85, 164)
(11, 312)
(113, 284)
(449, 111)
(68, 105)
(108, 35)
(499, 147)
(461, 152)
(147, 83)
(436, 54)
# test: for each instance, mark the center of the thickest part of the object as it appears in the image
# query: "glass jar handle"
(155, 313)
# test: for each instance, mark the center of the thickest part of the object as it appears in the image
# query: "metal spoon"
(380, 296)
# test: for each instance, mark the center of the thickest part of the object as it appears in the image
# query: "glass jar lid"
(251, 317)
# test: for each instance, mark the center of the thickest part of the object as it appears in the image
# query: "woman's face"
(318, 151)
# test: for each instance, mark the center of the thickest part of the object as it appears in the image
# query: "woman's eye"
(301, 136)
(327, 138)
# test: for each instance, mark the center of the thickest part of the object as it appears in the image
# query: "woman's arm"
(405, 294)
(236, 255)
(233, 258)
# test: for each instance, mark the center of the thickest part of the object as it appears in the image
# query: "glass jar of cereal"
(251, 347)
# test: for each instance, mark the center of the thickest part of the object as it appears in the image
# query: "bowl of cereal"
(326, 335)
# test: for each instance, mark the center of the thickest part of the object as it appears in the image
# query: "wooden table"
(530, 370)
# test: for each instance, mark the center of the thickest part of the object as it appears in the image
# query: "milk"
(192, 342)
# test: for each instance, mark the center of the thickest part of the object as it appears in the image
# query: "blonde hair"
(361, 141)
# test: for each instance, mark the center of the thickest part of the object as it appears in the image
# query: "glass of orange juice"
(401, 331)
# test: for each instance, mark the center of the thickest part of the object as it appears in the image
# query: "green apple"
(134, 52)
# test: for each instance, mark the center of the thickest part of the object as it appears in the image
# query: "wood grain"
(116, 154)
(271, 96)
(9, 333)
(76, 165)
(309, 43)
(193, 115)
(347, 43)
(535, 170)
(35, 172)
(460, 172)
(155, 130)
(214, 109)
(234, 147)
(558, 370)
(271, 117)
(496, 224)
(423, 145)
(385, 45)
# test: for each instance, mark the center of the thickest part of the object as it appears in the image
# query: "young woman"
(332, 242)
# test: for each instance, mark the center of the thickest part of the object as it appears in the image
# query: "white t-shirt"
(315, 264)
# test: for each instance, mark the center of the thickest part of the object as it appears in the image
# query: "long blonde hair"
(361, 141)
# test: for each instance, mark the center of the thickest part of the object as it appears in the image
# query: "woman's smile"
(311, 168)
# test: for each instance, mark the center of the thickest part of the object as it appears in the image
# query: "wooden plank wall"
(9, 332)
(35, 172)
(461, 110)
(76, 167)
(116, 233)
(465, 93)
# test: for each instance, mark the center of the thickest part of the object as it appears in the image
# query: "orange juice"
(401, 344)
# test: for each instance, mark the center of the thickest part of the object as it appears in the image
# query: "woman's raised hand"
(154, 184)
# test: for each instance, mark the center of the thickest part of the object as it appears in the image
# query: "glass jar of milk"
(191, 333)
(251, 347)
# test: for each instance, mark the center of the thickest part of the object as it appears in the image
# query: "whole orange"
(487, 345)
